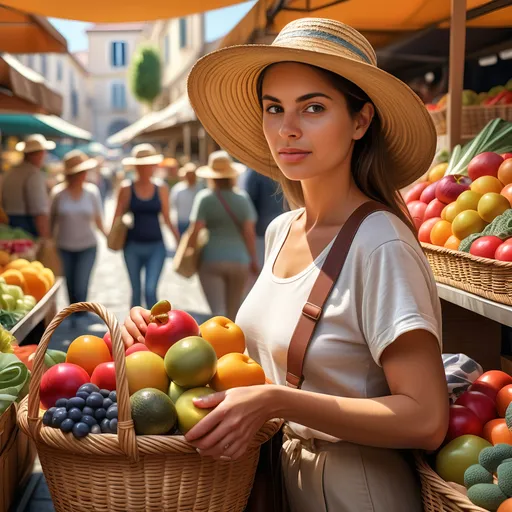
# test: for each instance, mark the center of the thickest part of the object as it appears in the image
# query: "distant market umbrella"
(26, 33)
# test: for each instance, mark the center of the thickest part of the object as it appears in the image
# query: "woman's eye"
(274, 109)
(314, 109)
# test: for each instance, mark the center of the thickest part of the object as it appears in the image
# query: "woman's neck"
(144, 180)
(75, 188)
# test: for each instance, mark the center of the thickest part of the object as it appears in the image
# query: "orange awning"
(25, 33)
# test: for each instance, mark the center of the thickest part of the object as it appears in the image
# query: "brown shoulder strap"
(329, 273)
(229, 211)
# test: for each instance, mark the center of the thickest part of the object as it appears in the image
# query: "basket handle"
(126, 432)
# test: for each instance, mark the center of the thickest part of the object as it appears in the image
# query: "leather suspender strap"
(329, 273)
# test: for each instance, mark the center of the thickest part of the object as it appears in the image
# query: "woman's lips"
(293, 157)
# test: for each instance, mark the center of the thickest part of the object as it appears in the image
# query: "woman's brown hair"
(370, 158)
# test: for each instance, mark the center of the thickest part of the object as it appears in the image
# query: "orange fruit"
(48, 273)
(236, 370)
(4, 258)
(146, 369)
(17, 264)
(38, 265)
(13, 276)
(36, 284)
(467, 223)
(468, 200)
(437, 172)
(440, 233)
(505, 172)
(491, 205)
(503, 399)
(507, 192)
(223, 335)
(452, 243)
(486, 184)
(88, 352)
(450, 211)
(496, 432)
(506, 506)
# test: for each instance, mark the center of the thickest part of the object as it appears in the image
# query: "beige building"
(66, 74)
(111, 48)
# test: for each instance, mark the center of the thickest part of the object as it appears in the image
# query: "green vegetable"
(488, 496)
(8, 319)
(505, 478)
(501, 227)
(496, 137)
(476, 474)
(14, 377)
(6, 340)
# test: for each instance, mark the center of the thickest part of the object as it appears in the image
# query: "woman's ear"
(363, 120)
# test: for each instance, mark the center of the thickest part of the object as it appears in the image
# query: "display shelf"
(500, 313)
(39, 313)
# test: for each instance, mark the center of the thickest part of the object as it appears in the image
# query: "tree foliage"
(146, 74)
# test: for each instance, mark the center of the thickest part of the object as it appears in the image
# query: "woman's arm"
(249, 234)
(122, 201)
(99, 224)
(415, 415)
(164, 200)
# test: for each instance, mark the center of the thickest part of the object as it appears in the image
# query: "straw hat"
(220, 165)
(35, 143)
(76, 161)
(143, 154)
(189, 167)
(222, 88)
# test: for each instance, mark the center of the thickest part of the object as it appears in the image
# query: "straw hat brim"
(183, 172)
(145, 160)
(87, 165)
(46, 146)
(233, 171)
(222, 88)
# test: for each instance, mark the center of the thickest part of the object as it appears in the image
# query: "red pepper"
(24, 352)
(506, 99)
(496, 100)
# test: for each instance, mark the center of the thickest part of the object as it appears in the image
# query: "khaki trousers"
(223, 284)
(345, 477)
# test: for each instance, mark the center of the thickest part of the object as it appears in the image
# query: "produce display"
(14, 242)
(178, 361)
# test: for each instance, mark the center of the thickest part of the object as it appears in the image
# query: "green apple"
(188, 414)
(15, 291)
(7, 303)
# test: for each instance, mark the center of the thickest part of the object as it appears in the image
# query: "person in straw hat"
(146, 201)
(230, 254)
(183, 195)
(75, 214)
(313, 111)
(24, 192)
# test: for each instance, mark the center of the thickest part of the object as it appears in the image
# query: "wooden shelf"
(39, 313)
(500, 313)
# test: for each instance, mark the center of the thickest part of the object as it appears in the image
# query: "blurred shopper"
(229, 216)
(75, 212)
(146, 201)
(24, 193)
(183, 195)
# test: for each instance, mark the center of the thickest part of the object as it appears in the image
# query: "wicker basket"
(474, 118)
(487, 278)
(124, 472)
(437, 495)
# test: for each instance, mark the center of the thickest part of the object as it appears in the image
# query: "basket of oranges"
(123, 449)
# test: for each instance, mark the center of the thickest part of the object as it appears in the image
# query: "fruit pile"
(178, 361)
(448, 209)
(13, 241)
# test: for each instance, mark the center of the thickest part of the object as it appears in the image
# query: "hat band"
(326, 37)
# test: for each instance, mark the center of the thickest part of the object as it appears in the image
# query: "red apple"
(483, 406)
(463, 421)
(484, 164)
(450, 187)
(417, 211)
(167, 326)
(426, 228)
(61, 381)
(434, 209)
(429, 194)
(414, 193)
(504, 251)
(136, 347)
(506, 156)
(491, 382)
(108, 340)
(104, 376)
(485, 246)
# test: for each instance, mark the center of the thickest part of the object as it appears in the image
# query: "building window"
(167, 49)
(119, 54)
(30, 62)
(59, 70)
(118, 99)
(183, 32)
(74, 104)
(71, 79)
(44, 65)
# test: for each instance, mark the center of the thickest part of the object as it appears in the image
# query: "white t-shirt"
(74, 220)
(182, 199)
(386, 289)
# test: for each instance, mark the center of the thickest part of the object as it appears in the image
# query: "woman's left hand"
(228, 430)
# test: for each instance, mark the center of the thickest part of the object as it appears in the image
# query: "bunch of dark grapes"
(91, 411)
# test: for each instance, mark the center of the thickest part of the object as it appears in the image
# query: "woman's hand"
(135, 326)
(228, 430)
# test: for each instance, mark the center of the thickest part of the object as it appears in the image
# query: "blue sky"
(217, 22)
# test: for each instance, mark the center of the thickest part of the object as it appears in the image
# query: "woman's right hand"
(135, 326)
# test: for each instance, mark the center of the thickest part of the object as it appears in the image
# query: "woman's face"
(306, 121)
(145, 171)
(78, 179)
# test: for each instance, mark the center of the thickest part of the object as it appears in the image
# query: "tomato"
(480, 404)
(485, 246)
(104, 376)
(463, 421)
(496, 432)
(503, 399)
(61, 381)
(453, 460)
(504, 251)
(491, 382)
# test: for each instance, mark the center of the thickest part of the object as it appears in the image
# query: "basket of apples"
(109, 422)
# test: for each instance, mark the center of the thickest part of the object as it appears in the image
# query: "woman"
(75, 212)
(229, 216)
(146, 201)
(340, 132)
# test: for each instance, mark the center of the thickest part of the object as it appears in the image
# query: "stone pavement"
(110, 287)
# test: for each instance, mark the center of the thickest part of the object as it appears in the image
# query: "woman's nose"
(290, 126)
